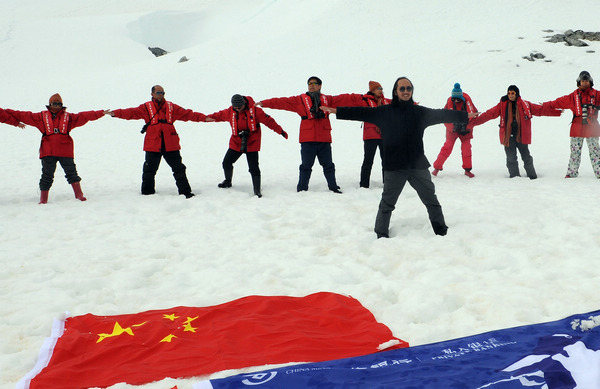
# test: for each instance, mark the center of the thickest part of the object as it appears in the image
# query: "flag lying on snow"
(563, 354)
(99, 351)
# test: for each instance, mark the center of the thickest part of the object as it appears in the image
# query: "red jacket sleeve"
(29, 118)
(133, 113)
(563, 102)
(268, 121)
(293, 104)
(490, 114)
(79, 119)
(186, 115)
(221, 116)
(543, 110)
(7, 118)
(347, 100)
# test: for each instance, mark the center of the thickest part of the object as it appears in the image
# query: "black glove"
(284, 134)
(463, 131)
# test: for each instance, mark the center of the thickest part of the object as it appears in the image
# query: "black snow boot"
(256, 185)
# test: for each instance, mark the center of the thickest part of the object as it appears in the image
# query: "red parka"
(574, 102)
(161, 126)
(525, 110)
(311, 128)
(249, 119)
(463, 105)
(371, 131)
(5, 117)
(56, 132)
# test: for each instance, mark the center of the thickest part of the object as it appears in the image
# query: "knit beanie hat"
(457, 92)
(238, 101)
(55, 98)
(515, 89)
(585, 75)
(374, 85)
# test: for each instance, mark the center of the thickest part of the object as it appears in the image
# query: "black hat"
(238, 101)
(585, 75)
(317, 79)
(514, 88)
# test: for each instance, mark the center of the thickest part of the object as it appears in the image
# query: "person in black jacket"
(402, 125)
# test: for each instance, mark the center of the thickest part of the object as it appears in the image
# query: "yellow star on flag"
(118, 330)
(168, 338)
(171, 317)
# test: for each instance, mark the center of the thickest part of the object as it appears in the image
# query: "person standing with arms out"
(584, 102)
(315, 129)
(56, 124)
(371, 133)
(245, 120)
(161, 140)
(402, 125)
(515, 128)
(458, 101)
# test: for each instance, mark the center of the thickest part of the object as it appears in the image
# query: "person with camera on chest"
(458, 101)
(584, 102)
(161, 139)
(515, 128)
(245, 120)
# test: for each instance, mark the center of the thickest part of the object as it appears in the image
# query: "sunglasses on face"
(405, 88)
(313, 83)
(56, 104)
(456, 100)
(160, 93)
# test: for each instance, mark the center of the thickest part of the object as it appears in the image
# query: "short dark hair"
(317, 79)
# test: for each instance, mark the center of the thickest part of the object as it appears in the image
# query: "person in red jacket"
(371, 133)
(161, 140)
(458, 101)
(515, 128)
(56, 124)
(315, 128)
(584, 102)
(245, 120)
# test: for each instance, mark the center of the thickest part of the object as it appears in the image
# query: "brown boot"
(77, 190)
(44, 197)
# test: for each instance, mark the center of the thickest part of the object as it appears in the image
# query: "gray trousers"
(511, 159)
(420, 180)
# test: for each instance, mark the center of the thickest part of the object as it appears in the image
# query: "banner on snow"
(564, 354)
(99, 351)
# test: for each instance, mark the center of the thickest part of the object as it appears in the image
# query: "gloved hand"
(284, 134)
(464, 132)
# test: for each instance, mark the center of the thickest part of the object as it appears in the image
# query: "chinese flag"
(100, 351)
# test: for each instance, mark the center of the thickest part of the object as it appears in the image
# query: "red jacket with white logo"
(249, 119)
(56, 131)
(468, 106)
(574, 102)
(525, 110)
(161, 118)
(313, 129)
(371, 131)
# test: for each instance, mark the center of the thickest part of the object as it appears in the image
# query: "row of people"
(401, 125)
(515, 115)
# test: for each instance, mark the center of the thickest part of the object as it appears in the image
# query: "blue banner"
(564, 354)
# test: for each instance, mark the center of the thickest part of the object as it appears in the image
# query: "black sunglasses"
(405, 88)
(56, 104)
(160, 93)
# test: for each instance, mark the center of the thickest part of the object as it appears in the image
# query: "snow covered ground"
(517, 252)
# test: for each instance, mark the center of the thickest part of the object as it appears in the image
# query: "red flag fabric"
(100, 351)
